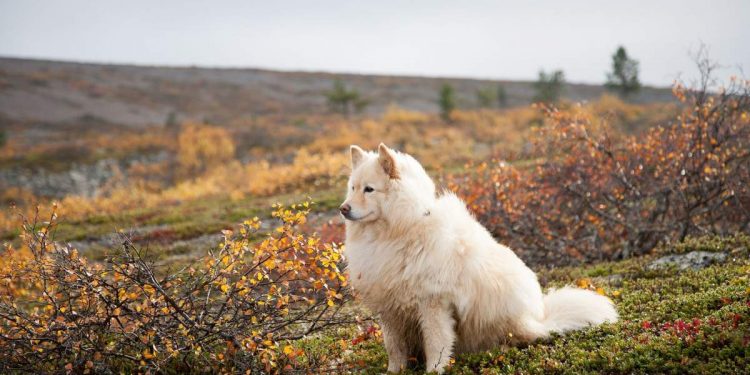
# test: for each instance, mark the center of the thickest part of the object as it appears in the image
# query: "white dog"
(437, 279)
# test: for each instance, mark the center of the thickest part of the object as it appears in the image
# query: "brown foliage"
(591, 195)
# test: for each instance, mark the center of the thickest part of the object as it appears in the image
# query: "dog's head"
(384, 182)
(369, 183)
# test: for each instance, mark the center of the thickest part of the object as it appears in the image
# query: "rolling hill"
(52, 93)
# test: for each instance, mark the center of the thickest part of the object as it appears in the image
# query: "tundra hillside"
(190, 242)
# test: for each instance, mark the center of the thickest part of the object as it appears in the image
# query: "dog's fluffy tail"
(568, 309)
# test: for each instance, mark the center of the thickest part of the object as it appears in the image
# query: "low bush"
(589, 195)
(239, 308)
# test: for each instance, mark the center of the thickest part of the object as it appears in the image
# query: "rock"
(85, 180)
(614, 280)
(693, 260)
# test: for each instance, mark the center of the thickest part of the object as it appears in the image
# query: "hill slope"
(51, 92)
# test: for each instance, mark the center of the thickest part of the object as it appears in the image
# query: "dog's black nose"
(345, 209)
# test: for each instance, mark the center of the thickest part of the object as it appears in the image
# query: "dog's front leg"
(438, 331)
(395, 343)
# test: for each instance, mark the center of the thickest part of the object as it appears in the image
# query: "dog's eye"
(369, 189)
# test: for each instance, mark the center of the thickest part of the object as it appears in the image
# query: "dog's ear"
(387, 161)
(358, 154)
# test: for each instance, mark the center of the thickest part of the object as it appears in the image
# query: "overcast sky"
(480, 39)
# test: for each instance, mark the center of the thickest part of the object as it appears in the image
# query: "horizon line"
(304, 71)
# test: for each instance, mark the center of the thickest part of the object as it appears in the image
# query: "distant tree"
(171, 121)
(549, 87)
(447, 102)
(344, 101)
(360, 104)
(624, 76)
(3, 138)
(501, 96)
(485, 97)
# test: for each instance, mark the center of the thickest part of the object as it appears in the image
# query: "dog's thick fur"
(437, 279)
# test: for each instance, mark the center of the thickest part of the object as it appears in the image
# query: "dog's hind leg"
(438, 332)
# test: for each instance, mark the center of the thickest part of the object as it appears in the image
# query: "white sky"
(480, 39)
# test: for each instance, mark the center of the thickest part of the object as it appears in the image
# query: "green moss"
(673, 323)
(737, 244)
(187, 219)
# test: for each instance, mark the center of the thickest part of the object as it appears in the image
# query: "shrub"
(502, 96)
(201, 147)
(485, 97)
(548, 87)
(400, 116)
(344, 101)
(595, 196)
(171, 122)
(239, 308)
(624, 76)
(446, 101)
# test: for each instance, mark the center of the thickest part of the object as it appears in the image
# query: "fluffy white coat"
(438, 280)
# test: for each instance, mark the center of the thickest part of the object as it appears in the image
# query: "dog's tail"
(568, 309)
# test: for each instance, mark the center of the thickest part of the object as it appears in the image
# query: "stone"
(693, 260)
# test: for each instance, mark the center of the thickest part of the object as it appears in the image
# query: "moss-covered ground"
(674, 322)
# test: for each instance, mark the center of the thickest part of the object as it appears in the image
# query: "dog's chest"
(382, 275)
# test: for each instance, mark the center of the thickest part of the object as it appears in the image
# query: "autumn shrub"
(201, 147)
(306, 172)
(294, 156)
(239, 308)
(401, 116)
(80, 146)
(592, 194)
(263, 178)
(631, 118)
